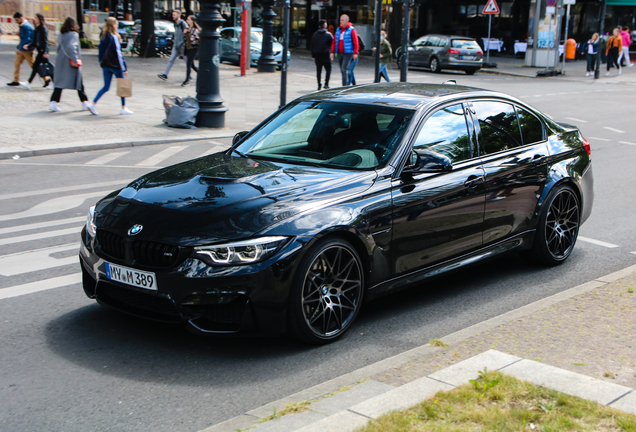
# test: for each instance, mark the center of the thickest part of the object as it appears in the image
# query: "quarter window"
(446, 132)
(499, 127)
(531, 127)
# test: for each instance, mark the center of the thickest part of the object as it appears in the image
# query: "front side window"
(531, 127)
(421, 41)
(330, 134)
(499, 127)
(446, 132)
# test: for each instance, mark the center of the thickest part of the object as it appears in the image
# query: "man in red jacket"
(345, 46)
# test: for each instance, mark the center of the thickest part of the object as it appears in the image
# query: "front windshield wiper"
(239, 153)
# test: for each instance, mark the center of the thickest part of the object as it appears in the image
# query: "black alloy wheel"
(558, 227)
(434, 65)
(327, 292)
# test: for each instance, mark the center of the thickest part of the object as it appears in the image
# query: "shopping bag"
(124, 87)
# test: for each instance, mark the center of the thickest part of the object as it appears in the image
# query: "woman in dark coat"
(41, 43)
(68, 65)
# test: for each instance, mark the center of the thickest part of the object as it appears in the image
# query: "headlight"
(242, 252)
(90, 222)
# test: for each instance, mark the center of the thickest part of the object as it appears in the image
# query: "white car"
(230, 46)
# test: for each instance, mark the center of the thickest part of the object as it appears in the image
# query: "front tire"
(327, 292)
(558, 227)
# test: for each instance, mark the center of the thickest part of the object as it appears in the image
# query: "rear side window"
(432, 41)
(442, 42)
(499, 127)
(531, 127)
(446, 132)
(465, 44)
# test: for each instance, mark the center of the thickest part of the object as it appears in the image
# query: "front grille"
(138, 302)
(154, 254)
(112, 244)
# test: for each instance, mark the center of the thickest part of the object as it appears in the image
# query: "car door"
(415, 56)
(513, 150)
(439, 215)
(429, 49)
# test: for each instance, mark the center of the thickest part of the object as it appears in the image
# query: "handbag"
(124, 87)
(46, 69)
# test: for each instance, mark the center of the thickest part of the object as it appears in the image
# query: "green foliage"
(482, 383)
(86, 43)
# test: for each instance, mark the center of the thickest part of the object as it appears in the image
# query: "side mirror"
(239, 136)
(429, 161)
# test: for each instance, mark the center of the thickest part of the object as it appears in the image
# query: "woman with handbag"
(68, 65)
(112, 62)
(41, 43)
(192, 47)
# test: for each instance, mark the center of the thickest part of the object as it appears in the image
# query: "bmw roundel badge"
(135, 229)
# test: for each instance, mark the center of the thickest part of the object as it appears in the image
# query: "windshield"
(330, 134)
(256, 37)
(465, 44)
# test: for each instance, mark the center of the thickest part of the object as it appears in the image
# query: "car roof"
(399, 95)
(258, 29)
(449, 36)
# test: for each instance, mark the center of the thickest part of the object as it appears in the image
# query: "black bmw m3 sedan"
(339, 197)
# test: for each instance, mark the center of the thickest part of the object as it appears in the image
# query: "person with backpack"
(346, 46)
(351, 77)
(112, 62)
(192, 47)
(320, 45)
(41, 43)
(178, 46)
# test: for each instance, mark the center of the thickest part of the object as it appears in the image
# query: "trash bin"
(570, 49)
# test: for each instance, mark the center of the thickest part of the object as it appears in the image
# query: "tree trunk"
(147, 28)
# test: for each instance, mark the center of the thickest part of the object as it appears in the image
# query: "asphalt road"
(67, 364)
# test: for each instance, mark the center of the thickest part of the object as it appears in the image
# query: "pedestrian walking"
(41, 43)
(590, 50)
(320, 46)
(614, 45)
(385, 56)
(68, 65)
(627, 41)
(112, 62)
(192, 47)
(178, 43)
(345, 46)
(24, 50)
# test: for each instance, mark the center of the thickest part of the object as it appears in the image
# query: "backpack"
(360, 44)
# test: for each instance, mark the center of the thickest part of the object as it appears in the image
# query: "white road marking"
(599, 139)
(39, 225)
(106, 158)
(625, 142)
(54, 205)
(64, 189)
(42, 285)
(576, 120)
(161, 156)
(39, 236)
(214, 149)
(598, 242)
(35, 260)
(613, 130)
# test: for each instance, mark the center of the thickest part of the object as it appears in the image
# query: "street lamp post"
(406, 28)
(601, 24)
(267, 62)
(211, 109)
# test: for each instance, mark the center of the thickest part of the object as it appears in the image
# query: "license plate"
(129, 276)
(468, 57)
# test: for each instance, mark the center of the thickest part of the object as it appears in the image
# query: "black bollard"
(267, 62)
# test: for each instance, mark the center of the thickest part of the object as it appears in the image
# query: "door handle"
(473, 181)
(538, 159)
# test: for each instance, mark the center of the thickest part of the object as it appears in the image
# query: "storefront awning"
(621, 2)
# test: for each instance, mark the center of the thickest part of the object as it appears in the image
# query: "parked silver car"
(438, 52)
(230, 46)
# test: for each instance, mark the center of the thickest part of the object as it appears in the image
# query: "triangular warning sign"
(491, 7)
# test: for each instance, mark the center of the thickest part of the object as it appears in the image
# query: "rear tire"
(434, 65)
(558, 227)
(327, 292)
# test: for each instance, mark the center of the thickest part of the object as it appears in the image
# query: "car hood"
(219, 198)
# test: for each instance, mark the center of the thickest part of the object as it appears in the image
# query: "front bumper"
(238, 299)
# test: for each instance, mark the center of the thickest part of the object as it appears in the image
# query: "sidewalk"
(28, 128)
(581, 342)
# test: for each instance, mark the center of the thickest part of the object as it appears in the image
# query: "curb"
(105, 146)
(253, 416)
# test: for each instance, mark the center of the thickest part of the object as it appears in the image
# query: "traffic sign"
(491, 8)
(551, 2)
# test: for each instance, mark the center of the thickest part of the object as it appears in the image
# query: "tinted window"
(499, 127)
(531, 127)
(465, 44)
(446, 132)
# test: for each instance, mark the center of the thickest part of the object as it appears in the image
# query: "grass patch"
(496, 402)
(290, 408)
(438, 343)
